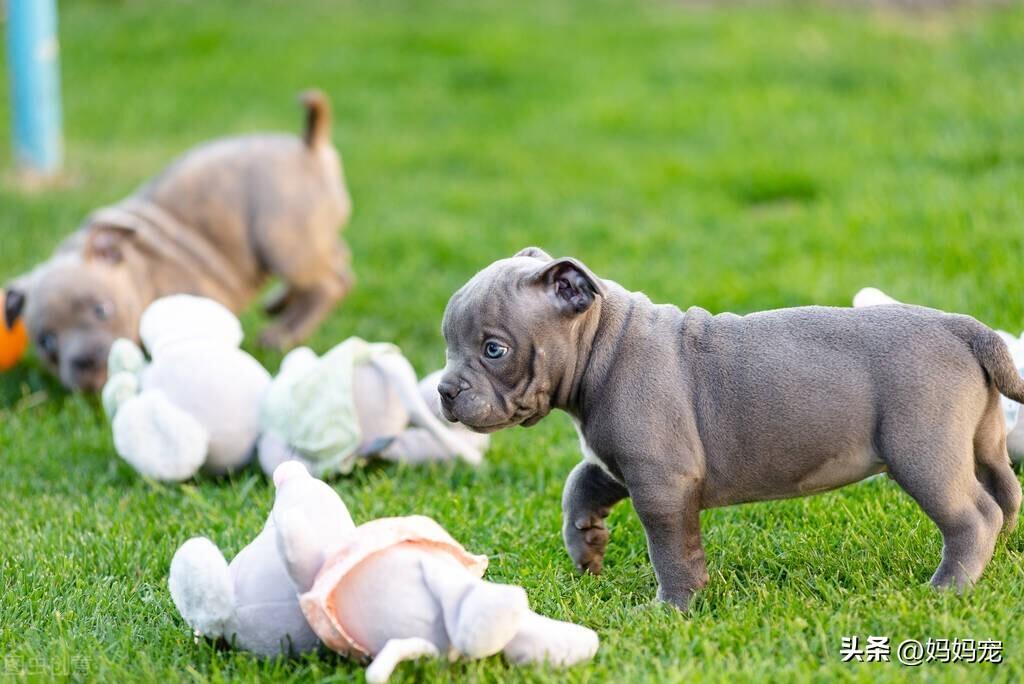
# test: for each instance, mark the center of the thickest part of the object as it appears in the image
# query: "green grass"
(739, 158)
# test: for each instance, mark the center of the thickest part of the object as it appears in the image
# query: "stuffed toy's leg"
(414, 445)
(402, 378)
(201, 588)
(872, 296)
(480, 618)
(543, 640)
(272, 451)
(396, 651)
(158, 439)
(483, 618)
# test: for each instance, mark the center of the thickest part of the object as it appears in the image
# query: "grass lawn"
(738, 158)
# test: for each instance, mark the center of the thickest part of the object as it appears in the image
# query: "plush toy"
(870, 296)
(196, 404)
(13, 338)
(401, 588)
(356, 401)
(392, 589)
(252, 602)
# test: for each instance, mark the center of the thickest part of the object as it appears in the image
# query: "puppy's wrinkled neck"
(593, 338)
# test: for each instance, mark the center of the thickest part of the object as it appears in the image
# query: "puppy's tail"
(318, 118)
(994, 356)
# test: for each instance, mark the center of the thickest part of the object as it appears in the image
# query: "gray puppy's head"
(75, 306)
(513, 336)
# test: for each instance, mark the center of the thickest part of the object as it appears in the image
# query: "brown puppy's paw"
(586, 538)
(278, 337)
(277, 300)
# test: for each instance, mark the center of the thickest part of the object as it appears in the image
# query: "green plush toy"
(357, 401)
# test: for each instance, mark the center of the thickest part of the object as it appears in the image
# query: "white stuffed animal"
(401, 588)
(870, 296)
(392, 589)
(252, 602)
(356, 401)
(197, 403)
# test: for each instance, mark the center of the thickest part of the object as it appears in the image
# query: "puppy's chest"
(607, 464)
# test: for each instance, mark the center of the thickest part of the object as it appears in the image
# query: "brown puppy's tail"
(318, 118)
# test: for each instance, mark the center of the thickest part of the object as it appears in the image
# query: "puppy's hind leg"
(298, 319)
(938, 472)
(314, 282)
(277, 299)
(992, 462)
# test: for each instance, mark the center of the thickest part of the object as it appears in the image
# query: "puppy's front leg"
(587, 500)
(669, 509)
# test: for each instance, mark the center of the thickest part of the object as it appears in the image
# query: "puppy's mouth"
(488, 427)
(85, 374)
(93, 382)
(485, 414)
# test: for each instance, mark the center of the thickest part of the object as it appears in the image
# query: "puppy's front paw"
(277, 336)
(678, 599)
(586, 538)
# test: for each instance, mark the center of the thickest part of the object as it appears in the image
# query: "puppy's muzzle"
(449, 391)
(88, 371)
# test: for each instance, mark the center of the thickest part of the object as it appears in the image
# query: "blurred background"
(737, 156)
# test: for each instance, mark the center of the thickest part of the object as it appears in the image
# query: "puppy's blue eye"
(494, 350)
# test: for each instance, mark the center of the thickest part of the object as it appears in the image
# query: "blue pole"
(35, 84)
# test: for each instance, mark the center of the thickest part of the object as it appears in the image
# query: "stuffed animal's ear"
(14, 305)
(299, 547)
(106, 242)
(535, 252)
(571, 286)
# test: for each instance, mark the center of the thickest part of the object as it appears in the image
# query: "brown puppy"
(217, 222)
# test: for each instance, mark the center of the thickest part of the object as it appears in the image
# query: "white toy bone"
(402, 588)
(870, 296)
(252, 602)
(196, 404)
(357, 400)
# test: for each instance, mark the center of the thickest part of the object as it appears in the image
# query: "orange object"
(13, 342)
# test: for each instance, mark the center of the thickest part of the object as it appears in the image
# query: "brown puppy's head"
(513, 335)
(75, 306)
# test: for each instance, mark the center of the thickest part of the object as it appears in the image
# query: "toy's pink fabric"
(318, 604)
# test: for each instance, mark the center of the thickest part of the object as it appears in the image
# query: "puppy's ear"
(535, 252)
(570, 284)
(106, 242)
(14, 304)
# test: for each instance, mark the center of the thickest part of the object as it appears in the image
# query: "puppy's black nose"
(449, 390)
(84, 364)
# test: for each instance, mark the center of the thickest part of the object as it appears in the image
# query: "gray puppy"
(687, 411)
(217, 222)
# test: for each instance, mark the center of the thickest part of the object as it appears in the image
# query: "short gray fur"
(683, 411)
